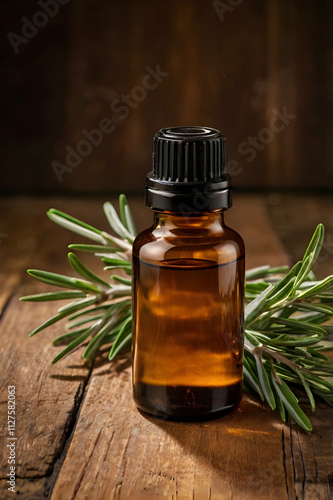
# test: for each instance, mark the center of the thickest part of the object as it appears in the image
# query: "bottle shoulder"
(156, 245)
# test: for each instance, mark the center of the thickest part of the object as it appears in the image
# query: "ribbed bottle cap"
(189, 173)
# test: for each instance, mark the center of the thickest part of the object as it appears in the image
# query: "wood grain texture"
(229, 68)
(79, 433)
(246, 454)
(309, 474)
(132, 455)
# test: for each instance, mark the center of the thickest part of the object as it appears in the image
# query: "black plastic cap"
(189, 173)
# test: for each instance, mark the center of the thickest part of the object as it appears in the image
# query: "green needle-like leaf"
(84, 321)
(81, 269)
(58, 317)
(120, 243)
(76, 226)
(78, 304)
(116, 223)
(306, 267)
(43, 297)
(118, 264)
(253, 309)
(282, 294)
(126, 215)
(315, 243)
(264, 382)
(281, 409)
(97, 340)
(47, 323)
(123, 338)
(285, 280)
(98, 309)
(115, 323)
(296, 325)
(62, 281)
(296, 340)
(251, 378)
(317, 288)
(93, 248)
(290, 402)
(125, 281)
(263, 271)
(124, 263)
(321, 308)
(307, 390)
(67, 337)
(74, 343)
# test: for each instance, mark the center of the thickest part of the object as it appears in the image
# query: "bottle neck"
(202, 220)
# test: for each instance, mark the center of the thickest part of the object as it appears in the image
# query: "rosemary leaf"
(126, 215)
(67, 337)
(123, 338)
(317, 288)
(264, 381)
(93, 248)
(315, 243)
(116, 223)
(125, 281)
(43, 297)
(76, 226)
(263, 271)
(290, 401)
(84, 271)
(253, 309)
(62, 281)
(307, 390)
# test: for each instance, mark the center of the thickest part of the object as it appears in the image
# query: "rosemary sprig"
(285, 317)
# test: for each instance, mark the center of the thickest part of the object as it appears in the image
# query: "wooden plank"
(47, 398)
(17, 244)
(310, 455)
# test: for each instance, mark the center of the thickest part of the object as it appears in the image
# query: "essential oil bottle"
(188, 283)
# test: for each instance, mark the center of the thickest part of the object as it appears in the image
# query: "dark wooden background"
(227, 70)
(231, 74)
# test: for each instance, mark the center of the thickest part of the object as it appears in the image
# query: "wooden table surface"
(79, 434)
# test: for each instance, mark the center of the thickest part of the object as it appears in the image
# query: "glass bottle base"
(186, 403)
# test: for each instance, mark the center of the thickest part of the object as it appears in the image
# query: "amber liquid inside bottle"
(188, 317)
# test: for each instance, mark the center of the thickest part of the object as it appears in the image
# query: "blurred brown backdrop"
(258, 70)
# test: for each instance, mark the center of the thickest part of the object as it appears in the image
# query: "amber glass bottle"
(188, 289)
